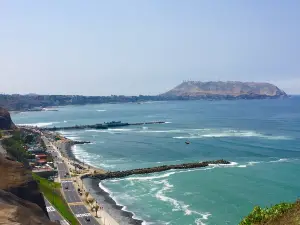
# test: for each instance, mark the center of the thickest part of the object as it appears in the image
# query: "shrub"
(261, 215)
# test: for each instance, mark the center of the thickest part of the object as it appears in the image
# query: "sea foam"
(231, 133)
(42, 124)
(177, 204)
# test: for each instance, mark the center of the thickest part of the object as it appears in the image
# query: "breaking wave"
(198, 133)
(233, 133)
(176, 204)
(42, 124)
(101, 110)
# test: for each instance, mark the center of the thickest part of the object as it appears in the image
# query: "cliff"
(5, 120)
(17, 211)
(229, 89)
(20, 200)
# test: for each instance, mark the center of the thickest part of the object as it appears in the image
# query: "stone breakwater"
(120, 174)
(80, 142)
(100, 126)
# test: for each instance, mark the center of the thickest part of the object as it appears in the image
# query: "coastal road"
(83, 215)
(63, 171)
(54, 216)
(71, 195)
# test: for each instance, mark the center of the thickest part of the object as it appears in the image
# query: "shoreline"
(123, 217)
(115, 210)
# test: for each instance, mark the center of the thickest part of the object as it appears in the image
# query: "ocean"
(260, 137)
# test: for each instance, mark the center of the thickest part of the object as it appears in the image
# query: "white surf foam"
(251, 163)
(176, 204)
(281, 160)
(231, 133)
(42, 124)
(161, 131)
(124, 208)
(104, 188)
(119, 129)
(101, 110)
(242, 166)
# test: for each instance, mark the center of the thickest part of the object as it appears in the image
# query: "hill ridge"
(225, 88)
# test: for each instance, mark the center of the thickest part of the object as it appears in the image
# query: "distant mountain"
(186, 91)
(229, 89)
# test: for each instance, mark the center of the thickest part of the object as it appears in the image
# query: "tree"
(96, 209)
(29, 139)
(91, 201)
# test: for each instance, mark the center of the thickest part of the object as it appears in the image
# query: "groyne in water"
(112, 124)
(120, 174)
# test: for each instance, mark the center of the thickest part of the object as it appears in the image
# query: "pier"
(126, 173)
(112, 124)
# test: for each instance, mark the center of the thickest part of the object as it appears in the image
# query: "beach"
(102, 197)
(110, 206)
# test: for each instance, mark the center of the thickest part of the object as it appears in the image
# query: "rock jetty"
(80, 142)
(120, 174)
(112, 124)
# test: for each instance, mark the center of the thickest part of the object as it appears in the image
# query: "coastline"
(123, 217)
(104, 199)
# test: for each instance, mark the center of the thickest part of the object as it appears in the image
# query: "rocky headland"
(225, 90)
(5, 120)
(20, 199)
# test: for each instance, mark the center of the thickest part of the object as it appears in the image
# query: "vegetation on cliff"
(15, 147)
(51, 191)
(279, 214)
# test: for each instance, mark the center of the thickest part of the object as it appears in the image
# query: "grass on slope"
(51, 190)
(15, 147)
(279, 214)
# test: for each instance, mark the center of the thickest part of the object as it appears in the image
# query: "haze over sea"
(259, 137)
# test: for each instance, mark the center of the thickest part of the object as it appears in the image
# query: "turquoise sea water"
(260, 137)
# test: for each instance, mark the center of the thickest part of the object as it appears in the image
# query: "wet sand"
(103, 198)
(110, 206)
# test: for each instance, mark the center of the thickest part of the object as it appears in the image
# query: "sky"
(145, 47)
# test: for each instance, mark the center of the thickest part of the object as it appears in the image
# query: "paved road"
(71, 195)
(54, 215)
(83, 215)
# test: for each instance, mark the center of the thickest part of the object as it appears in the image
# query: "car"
(87, 219)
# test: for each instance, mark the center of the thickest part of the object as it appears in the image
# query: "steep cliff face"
(20, 200)
(5, 120)
(229, 88)
(17, 211)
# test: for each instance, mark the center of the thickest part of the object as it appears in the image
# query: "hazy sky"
(146, 46)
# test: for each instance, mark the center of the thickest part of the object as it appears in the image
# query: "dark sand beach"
(110, 206)
(101, 196)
